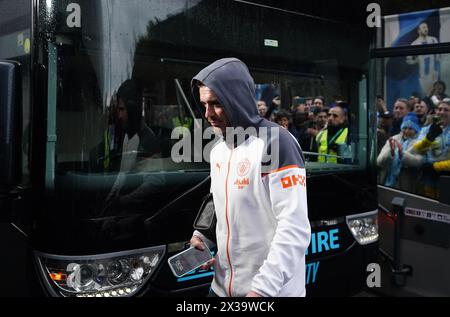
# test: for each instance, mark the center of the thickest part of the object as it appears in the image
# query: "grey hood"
(230, 80)
(233, 85)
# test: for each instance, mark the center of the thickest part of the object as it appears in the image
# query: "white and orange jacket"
(262, 228)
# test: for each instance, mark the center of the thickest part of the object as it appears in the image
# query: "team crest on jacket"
(243, 167)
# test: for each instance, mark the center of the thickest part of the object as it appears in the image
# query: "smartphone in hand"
(188, 260)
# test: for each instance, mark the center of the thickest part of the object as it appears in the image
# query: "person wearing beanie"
(410, 121)
(399, 164)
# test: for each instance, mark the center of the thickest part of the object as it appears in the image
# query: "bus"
(88, 213)
(411, 66)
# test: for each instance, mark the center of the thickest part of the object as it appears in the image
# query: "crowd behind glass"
(413, 140)
(321, 129)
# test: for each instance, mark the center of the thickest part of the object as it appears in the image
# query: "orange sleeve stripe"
(281, 169)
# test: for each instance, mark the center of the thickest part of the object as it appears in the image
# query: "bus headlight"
(107, 275)
(364, 227)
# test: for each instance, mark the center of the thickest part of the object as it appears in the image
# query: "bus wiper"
(149, 220)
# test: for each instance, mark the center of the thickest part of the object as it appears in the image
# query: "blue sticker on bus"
(321, 241)
(311, 272)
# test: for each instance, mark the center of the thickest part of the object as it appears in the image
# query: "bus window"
(325, 116)
(145, 108)
(414, 133)
(413, 124)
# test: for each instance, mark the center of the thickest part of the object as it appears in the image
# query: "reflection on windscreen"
(133, 133)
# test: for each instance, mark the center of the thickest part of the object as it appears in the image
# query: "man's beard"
(333, 129)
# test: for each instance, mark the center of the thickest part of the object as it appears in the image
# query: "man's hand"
(434, 132)
(400, 149)
(311, 131)
(253, 294)
(197, 243)
(392, 146)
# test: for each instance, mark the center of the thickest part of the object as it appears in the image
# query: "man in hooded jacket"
(258, 183)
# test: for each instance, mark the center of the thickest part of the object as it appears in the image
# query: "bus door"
(15, 62)
(411, 71)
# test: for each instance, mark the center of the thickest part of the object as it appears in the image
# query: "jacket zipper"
(228, 225)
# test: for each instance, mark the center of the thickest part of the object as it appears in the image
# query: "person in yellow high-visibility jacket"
(335, 134)
(186, 122)
(182, 121)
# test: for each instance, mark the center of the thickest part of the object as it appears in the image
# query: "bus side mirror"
(10, 123)
(206, 220)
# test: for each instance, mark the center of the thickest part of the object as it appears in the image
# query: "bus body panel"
(64, 212)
